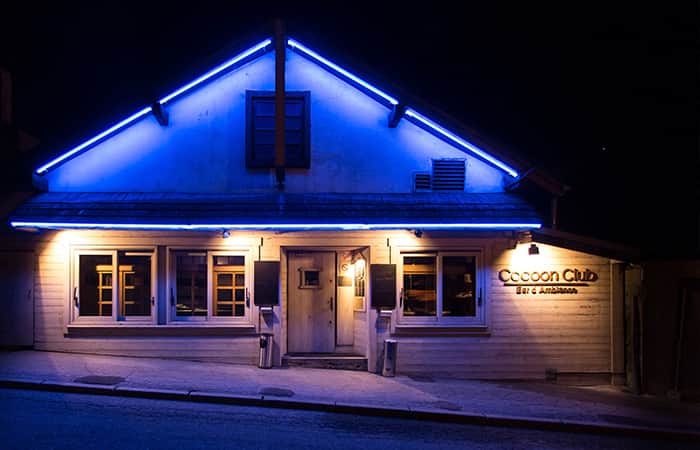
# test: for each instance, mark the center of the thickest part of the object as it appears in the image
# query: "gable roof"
(403, 110)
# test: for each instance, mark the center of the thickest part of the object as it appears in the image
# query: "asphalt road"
(40, 420)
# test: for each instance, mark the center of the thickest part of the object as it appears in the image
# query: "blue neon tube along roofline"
(302, 49)
(278, 226)
(296, 45)
(143, 112)
(460, 142)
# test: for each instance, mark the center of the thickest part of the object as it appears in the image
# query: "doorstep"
(325, 361)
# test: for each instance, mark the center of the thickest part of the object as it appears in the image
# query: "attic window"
(260, 130)
(448, 174)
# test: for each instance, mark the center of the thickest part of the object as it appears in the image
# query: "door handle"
(247, 298)
(75, 297)
(153, 301)
(401, 298)
(29, 294)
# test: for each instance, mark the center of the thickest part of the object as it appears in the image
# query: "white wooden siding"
(527, 335)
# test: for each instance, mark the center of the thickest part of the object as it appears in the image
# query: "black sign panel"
(267, 276)
(383, 279)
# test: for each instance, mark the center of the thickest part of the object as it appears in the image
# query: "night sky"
(603, 97)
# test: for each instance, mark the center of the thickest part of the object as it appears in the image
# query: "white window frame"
(210, 318)
(115, 318)
(210, 287)
(479, 319)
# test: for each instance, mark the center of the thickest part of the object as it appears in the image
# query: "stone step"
(333, 361)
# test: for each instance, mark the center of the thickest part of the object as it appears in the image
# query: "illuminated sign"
(547, 281)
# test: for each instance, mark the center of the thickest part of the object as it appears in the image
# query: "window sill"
(173, 330)
(440, 331)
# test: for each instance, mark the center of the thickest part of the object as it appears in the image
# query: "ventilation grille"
(448, 174)
(421, 181)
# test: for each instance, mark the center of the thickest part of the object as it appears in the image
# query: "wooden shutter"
(260, 130)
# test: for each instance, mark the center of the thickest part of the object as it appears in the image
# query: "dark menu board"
(267, 276)
(383, 279)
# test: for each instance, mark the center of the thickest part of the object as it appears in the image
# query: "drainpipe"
(279, 103)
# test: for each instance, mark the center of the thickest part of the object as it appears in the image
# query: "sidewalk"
(600, 409)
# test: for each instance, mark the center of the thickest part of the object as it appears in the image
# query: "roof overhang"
(284, 212)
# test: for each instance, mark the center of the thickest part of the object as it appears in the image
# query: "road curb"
(360, 409)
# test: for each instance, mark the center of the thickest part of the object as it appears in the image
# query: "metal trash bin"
(389, 365)
(265, 361)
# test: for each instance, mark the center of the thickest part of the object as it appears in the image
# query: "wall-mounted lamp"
(225, 234)
(533, 250)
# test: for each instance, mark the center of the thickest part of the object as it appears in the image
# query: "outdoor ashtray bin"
(265, 351)
(389, 367)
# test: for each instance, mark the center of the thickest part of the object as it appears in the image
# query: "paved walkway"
(605, 409)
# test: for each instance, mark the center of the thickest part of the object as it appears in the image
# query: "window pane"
(420, 295)
(135, 279)
(225, 309)
(229, 260)
(240, 279)
(458, 286)
(292, 124)
(293, 107)
(311, 278)
(263, 138)
(264, 123)
(191, 285)
(95, 285)
(224, 295)
(224, 279)
(264, 107)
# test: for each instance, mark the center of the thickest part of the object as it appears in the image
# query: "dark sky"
(602, 95)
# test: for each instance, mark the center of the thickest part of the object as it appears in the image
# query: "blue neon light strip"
(134, 117)
(460, 142)
(216, 70)
(107, 132)
(278, 226)
(295, 45)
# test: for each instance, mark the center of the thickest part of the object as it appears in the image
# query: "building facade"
(194, 225)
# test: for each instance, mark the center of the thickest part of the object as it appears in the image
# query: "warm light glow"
(359, 264)
(278, 226)
(460, 142)
(294, 45)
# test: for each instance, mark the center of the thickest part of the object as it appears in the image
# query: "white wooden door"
(16, 299)
(311, 302)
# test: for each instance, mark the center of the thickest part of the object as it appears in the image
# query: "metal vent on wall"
(421, 181)
(448, 174)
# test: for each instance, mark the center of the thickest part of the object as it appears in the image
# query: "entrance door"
(311, 302)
